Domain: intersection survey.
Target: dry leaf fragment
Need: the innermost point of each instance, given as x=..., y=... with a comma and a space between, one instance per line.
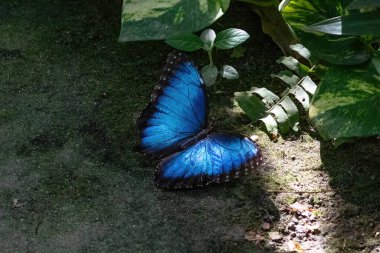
x=295, y=246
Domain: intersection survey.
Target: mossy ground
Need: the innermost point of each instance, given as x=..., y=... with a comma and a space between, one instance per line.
x=69, y=180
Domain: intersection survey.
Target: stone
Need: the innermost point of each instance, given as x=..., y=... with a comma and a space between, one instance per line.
x=275, y=236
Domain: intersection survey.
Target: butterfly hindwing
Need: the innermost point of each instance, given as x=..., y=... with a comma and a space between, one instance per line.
x=216, y=158
x=178, y=110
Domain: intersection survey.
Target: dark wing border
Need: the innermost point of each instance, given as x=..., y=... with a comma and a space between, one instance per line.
x=204, y=180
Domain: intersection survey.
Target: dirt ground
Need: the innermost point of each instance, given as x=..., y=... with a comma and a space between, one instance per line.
x=70, y=182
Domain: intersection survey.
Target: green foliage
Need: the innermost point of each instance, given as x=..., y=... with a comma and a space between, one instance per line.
x=279, y=113
x=353, y=24
x=154, y=20
x=230, y=38
x=343, y=33
x=363, y=4
x=345, y=50
x=209, y=74
x=346, y=103
x=208, y=39
x=185, y=41
x=238, y=52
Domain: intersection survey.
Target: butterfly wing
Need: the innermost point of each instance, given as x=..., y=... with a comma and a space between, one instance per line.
x=178, y=110
x=216, y=158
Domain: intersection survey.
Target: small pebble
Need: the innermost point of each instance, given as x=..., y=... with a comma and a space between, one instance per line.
x=291, y=226
x=275, y=236
x=265, y=226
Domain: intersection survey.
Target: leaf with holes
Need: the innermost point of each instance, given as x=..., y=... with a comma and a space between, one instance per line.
x=294, y=65
x=301, y=95
x=251, y=105
x=281, y=118
x=281, y=114
x=270, y=124
x=303, y=51
x=292, y=112
x=287, y=77
x=268, y=97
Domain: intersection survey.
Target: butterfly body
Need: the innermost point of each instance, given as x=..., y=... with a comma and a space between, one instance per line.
x=173, y=126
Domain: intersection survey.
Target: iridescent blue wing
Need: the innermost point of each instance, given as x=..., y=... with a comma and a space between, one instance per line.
x=216, y=158
x=178, y=110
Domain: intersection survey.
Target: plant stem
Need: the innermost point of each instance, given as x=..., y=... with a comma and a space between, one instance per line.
x=209, y=52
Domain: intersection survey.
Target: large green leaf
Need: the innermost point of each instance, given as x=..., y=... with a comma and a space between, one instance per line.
x=364, y=4
x=353, y=24
x=341, y=50
x=154, y=20
x=347, y=104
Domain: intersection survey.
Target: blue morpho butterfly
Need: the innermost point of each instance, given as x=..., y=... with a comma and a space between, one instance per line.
x=173, y=126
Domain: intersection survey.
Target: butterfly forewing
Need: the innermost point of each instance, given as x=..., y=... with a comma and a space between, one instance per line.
x=178, y=110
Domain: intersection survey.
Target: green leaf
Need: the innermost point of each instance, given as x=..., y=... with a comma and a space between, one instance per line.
x=294, y=65
x=224, y=4
x=209, y=74
x=339, y=51
x=251, y=105
x=270, y=124
x=301, y=95
x=308, y=85
x=292, y=112
x=347, y=104
x=230, y=38
x=154, y=20
x=238, y=52
x=339, y=141
x=287, y=77
x=365, y=23
x=269, y=98
x=376, y=62
x=301, y=50
x=364, y=4
x=281, y=118
x=208, y=37
x=184, y=41
x=229, y=72
x=283, y=4
x=263, y=3
x=342, y=50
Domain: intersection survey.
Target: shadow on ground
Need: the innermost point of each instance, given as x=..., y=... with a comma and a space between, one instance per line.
x=354, y=170
x=70, y=95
